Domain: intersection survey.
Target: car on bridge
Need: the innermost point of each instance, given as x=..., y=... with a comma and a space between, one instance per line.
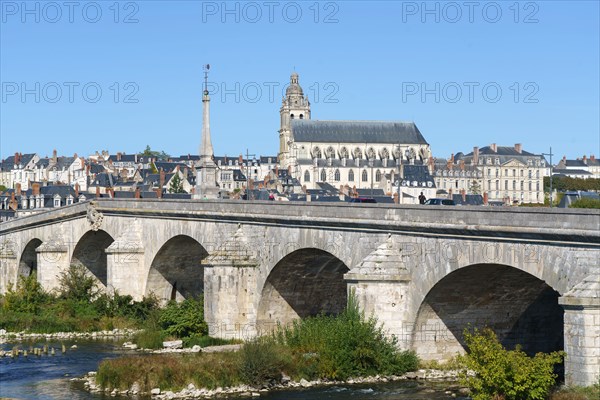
x=439, y=202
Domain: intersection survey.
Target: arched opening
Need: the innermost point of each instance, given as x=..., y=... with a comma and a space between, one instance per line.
x=304, y=283
x=519, y=307
x=350, y=176
x=306, y=176
x=90, y=253
x=28, y=262
x=323, y=176
x=176, y=272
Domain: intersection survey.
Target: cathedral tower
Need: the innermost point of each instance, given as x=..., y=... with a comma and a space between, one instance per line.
x=294, y=106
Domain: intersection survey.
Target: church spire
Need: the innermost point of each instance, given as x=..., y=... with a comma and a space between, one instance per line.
x=294, y=106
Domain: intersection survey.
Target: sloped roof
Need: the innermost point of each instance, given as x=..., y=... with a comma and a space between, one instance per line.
x=356, y=132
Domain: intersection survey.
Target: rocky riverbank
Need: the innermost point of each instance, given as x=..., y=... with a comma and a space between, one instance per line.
x=20, y=336
x=191, y=391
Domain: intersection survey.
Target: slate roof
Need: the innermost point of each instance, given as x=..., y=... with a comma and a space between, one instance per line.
x=571, y=171
x=356, y=132
x=504, y=153
x=363, y=163
x=575, y=163
x=63, y=162
x=124, y=158
x=169, y=166
x=419, y=174
x=9, y=163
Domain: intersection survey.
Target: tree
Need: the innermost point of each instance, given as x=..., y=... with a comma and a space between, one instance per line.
x=176, y=185
x=148, y=152
x=475, y=187
x=2, y=188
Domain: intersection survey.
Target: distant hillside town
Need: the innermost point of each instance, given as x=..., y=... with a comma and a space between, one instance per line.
x=325, y=161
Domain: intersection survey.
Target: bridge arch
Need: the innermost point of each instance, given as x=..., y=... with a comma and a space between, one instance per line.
x=176, y=272
x=520, y=307
x=90, y=252
x=306, y=282
x=28, y=260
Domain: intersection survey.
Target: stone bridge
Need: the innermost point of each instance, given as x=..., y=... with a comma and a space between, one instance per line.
x=426, y=273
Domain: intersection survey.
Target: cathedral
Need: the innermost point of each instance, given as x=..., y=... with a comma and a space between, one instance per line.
x=357, y=154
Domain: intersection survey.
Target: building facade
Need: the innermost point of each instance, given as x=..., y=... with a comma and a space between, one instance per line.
x=356, y=154
x=506, y=173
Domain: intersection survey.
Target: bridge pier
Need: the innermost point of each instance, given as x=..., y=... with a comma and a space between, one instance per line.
x=582, y=332
x=8, y=267
x=52, y=259
x=125, y=269
x=230, y=298
x=380, y=284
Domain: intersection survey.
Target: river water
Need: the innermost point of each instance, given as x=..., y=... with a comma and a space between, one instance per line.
x=48, y=378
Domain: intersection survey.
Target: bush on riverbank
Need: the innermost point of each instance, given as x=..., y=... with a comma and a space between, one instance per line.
x=506, y=374
x=77, y=306
x=322, y=347
x=577, y=393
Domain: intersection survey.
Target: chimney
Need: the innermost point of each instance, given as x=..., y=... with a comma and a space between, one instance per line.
x=18, y=189
x=584, y=159
x=518, y=148
x=161, y=179
x=462, y=165
x=54, y=156
x=12, y=204
x=475, y=155
x=119, y=156
x=494, y=147
x=77, y=190
x=158, y=193
x=463, y=193
x=452, y=158
x=35, y=189
x=564, y=159
x=97, y=192
x=450, y=193
x=240, y=160
x=485, y=198
x=395, y=197
x=592, y=158
x=17, y=159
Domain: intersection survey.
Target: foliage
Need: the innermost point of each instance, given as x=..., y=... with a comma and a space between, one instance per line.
x=345, y=345
x=170, y=372
x=475, y=187
x=578, y=393
x=506, y=374
x=76, y=283
x=263, y=360
x=159, y=155
x=205, y=341
x=77, y=306
x=565, y=183
x=3, y=188
x=183, y=319
x=28, y=295
x=176, y=185
x=585, y=202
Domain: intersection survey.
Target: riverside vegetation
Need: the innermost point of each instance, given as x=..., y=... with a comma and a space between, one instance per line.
x=318, y=348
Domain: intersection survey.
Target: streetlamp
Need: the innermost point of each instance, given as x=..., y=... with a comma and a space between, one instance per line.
x=248, y=174
x=549, y=154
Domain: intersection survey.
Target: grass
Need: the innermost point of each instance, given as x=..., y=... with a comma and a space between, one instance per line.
x=577, y=393
x=322, y=347
x=454, y=364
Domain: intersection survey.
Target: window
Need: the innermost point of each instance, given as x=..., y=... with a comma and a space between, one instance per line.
x=378, y=176
x=317, y=152
x=57, y=202
x=522, y=185
x=306, y=176
x=330, y=152
x=357, y=153
x=514, y=185
x=301, y=116
x=292, y=116
x=514, y=172
x=323, y=176
x=69, y=201
x=529, y=173
x=365, y=176
x=530, y=186
x=505, y=185
x=351, y=176
x=336, y=175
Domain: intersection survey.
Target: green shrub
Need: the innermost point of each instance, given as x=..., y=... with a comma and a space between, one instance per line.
x=28, y=296
x=585, y=203
x=205, y=341
x=262, y=360
x=183, y=319
x=506, y=374
x=338, y=347
x=76, y=283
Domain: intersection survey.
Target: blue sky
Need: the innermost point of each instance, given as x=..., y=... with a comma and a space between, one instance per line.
x=468, y=74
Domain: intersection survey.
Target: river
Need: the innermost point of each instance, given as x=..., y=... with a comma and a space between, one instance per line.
x=48, y=378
